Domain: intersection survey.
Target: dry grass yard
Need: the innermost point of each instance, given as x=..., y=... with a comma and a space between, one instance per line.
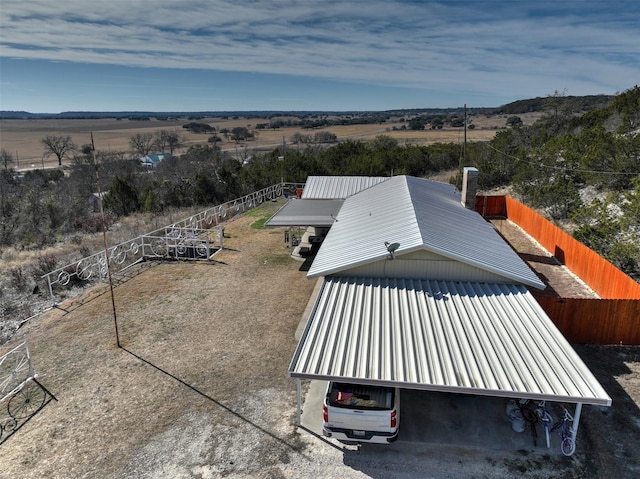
x=205, y=351
x=199, y=388
x=22, y=138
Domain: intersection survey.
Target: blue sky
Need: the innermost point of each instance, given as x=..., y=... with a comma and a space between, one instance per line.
x=215, y=55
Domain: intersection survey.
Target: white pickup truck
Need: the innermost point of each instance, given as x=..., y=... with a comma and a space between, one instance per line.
x=354, y=413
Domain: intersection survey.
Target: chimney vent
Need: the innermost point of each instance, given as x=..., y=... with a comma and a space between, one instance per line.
x=469, y=187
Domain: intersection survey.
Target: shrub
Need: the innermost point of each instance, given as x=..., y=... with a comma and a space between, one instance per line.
x=44, y=264
x=19, y=278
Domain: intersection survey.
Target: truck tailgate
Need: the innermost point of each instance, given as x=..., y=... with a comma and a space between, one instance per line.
x=359, y=419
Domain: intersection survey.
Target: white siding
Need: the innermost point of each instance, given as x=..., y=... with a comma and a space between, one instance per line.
x=444, y=268
x=423, y=265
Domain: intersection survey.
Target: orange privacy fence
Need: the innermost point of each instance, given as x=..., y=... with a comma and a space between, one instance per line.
x=604, y=278
x=595, y=321
x=615, y=319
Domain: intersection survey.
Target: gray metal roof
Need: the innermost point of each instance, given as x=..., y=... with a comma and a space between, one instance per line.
x=420, y=215
x=338, y=187
x=296, y=212
x=473, y=338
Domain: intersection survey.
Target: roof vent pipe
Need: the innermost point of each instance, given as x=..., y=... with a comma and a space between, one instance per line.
x=469, y=187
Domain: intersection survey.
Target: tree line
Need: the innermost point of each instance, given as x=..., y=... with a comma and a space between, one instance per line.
x=582, y=170
x=550, y=165
x=39, y=207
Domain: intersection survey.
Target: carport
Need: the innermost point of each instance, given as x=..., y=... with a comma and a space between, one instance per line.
x=314, y=215
x=296, y=212
x=490, y=339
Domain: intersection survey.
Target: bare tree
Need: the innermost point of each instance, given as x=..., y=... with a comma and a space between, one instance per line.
x=167, y=139
x=142, y=143
x=160, y=140
x=174, y=141
x=60, y=146
x=301, y=138
x=6, y=158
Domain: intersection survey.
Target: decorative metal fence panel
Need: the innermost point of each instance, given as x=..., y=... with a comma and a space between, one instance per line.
x=15, y=369
x=21, y=395
x=194, y=238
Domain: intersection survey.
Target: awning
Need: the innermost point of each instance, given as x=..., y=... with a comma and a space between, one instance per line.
x=297, y=212
x=460, y=337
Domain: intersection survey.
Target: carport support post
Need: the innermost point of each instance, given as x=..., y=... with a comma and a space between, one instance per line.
x=576, y=422
x=299, y=399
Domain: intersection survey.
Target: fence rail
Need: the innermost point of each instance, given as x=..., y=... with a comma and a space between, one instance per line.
x=194, y=238
x=15, y=369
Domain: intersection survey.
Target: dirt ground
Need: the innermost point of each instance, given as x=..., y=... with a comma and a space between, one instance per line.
x=559, y=280
x=22, y=138
x=199, y=387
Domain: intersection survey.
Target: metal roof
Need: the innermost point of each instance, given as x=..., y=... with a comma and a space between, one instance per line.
x=419, y=215
x=338, y=187
x=473, y=338
x=296, y=212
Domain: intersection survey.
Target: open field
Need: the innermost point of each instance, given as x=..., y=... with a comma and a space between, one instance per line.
x=199, y=389
x=22, y=138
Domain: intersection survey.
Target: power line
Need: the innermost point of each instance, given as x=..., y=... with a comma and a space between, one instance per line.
x=551, y=167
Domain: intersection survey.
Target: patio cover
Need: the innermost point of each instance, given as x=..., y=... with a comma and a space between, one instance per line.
x=460, y=337
x=297, y=212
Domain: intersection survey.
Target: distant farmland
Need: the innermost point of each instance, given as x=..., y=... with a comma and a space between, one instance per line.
x=22, y=138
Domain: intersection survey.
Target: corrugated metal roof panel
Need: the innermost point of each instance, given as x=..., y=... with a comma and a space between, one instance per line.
x=475, y=338
x=417, y=214
x=338, y=187
x=364, y=223
x=296, y=212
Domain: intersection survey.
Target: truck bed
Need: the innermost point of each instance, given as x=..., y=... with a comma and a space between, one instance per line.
x=359, y=396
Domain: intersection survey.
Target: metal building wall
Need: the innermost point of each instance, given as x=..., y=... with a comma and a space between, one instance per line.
x=423, y=265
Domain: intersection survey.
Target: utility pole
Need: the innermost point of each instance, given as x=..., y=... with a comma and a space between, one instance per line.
x=464, y=151
x=463, y=157
x=104, y=239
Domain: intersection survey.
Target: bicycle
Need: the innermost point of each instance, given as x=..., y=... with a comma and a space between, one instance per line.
x=545, y=418
x=530, y=417
x=563, y=425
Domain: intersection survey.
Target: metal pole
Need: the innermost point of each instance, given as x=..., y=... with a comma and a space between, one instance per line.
x=31, y=370
x=50, y=289
x=299, y=392
x=104, y=239
x=576, y=422
x=464, y=153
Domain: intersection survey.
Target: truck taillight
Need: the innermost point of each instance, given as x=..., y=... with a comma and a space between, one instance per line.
x=394, y=420
x=325, y=413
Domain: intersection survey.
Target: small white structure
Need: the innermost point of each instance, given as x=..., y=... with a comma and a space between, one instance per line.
x=151, y=161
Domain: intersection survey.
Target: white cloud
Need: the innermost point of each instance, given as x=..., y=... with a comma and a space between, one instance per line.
x=407, y=44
